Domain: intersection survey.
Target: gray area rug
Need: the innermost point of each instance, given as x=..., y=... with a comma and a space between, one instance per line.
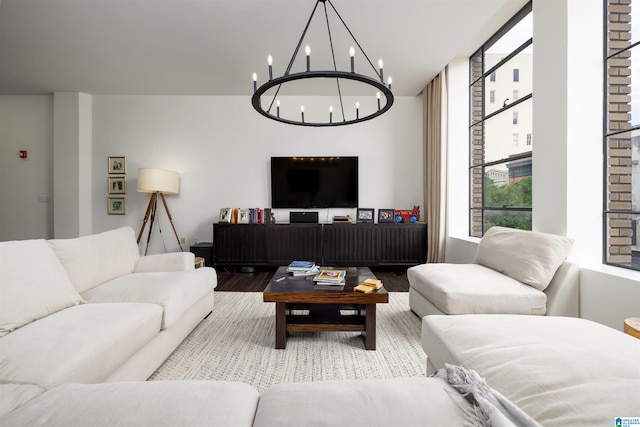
x=236, y=343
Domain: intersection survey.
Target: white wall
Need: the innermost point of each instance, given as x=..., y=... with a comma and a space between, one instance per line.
x=26, y=123
x=72, y=164
x=221, y=147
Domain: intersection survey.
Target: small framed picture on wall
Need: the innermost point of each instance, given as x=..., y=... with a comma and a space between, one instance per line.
x=386, y=215
x=118, y=185
x=365, y=215
x=117, y=165
x=116, y=206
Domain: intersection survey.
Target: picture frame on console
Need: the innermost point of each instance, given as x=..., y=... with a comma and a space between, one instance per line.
x=365, y=215
x=243, y=216
x=225, y=216
x=386, y=215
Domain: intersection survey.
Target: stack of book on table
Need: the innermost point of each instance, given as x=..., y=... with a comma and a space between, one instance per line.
x=303, y=268
x=333, y=279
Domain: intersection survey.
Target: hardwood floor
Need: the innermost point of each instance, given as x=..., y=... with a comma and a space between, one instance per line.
x=394, y=279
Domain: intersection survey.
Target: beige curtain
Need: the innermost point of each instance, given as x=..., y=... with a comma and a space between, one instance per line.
x=434, y=131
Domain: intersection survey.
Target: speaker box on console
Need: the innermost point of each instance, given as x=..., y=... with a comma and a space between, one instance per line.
x=303, y=217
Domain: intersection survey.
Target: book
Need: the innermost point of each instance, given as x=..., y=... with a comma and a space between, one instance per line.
x=329, y=282
x=301, y=265
x=303, y=273
x=333, y=286
x=330, y=276
x=368, y=286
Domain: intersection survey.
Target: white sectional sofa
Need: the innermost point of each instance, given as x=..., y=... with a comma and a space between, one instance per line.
x=562, y=371
x=400, y=401
x=91, y=310
x=81, y=318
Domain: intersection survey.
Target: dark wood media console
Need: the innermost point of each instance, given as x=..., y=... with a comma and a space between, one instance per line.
x=327, y=244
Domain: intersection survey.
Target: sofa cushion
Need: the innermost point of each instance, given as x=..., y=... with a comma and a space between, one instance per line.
x=172, y=261
x=153, y=403
x=176, y=291
x=528, y=256
x=33, y=284
x=472, y=288
x=84, y=343
x=98, y=258
x=13, y=396
x=382, y=402
x=562, y=371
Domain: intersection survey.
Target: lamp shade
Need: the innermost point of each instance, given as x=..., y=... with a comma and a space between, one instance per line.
x=162, y=180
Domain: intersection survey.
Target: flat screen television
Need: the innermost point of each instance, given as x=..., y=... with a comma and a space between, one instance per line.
x=314, y=182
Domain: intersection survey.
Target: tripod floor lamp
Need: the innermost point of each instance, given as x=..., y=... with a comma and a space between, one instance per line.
x=157, y=182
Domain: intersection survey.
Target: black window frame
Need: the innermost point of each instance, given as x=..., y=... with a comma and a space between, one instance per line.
x=520, y=157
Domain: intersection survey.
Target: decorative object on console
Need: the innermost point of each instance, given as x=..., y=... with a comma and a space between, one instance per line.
x=243, y=216
x=158, y=182
x=368, y=111
x=342, y=219
x=386, y=215
x=412, y=215
x=234, y=215
x=365, y=215
x=225, y=216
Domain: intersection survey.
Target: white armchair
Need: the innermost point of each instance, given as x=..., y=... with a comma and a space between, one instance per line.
x=514, y=272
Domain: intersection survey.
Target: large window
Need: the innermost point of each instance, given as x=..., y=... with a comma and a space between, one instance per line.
x=500, y=170
x=622, y=134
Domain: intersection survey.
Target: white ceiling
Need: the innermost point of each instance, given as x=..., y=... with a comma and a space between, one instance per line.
x=212, y=47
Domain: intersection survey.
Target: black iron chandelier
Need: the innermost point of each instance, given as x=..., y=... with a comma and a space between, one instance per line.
x=291, y=115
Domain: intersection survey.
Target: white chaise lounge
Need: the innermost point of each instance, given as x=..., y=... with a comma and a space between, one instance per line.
x=514, y=272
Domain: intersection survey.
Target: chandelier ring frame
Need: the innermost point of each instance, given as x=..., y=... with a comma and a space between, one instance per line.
x=329, y=74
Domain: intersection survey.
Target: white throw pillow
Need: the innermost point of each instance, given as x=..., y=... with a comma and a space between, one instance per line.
x=33, y=284
x=529, y=257
x=97, y=258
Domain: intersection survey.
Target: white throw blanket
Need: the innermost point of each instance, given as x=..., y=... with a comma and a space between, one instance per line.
x=492, y=408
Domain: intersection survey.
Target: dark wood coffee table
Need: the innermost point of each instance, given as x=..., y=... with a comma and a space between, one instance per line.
x=300, y=306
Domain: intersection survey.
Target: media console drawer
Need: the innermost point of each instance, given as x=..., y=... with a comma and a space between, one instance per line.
x=328, y=244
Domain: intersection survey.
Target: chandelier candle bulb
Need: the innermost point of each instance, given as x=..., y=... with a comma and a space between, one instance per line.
x=307, y=50
x=357, y=110
x=270, y=62
x=255, y=82
x=302, y=112
x=381, y=65
x=378, y=98
x=352, y=53
x=389, y=82
x=330, y=114
x=278, y=108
